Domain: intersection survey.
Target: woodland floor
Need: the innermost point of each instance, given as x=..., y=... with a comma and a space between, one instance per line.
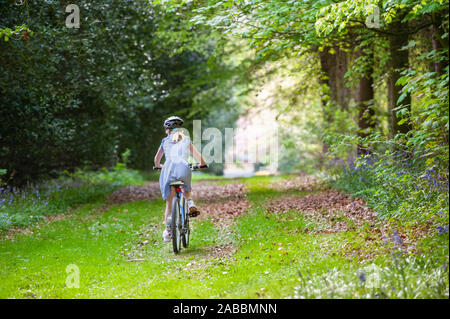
x=259, y=237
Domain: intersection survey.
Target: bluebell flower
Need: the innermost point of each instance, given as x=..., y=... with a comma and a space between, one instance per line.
x=362, y=277
x=442, y=230
x=397, y=239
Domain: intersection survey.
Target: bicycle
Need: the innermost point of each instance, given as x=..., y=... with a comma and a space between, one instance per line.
x=179, y=216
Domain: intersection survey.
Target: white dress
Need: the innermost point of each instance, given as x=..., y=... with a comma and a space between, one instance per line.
x=176, y=166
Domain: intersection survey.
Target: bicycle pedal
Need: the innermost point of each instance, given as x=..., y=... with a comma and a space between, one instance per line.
x=194, y=213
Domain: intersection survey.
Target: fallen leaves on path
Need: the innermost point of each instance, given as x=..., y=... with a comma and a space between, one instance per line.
x=300, y=183
x=135, y=193
x=212, y=193
x=201, y=191
x=223, y=211
x=336, y=209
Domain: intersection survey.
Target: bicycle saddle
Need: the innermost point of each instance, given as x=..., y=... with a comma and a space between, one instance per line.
x=176, y=183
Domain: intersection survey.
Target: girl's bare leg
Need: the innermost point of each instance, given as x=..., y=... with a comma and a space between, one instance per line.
x=169, y=205
x=193, y=210
x=188, y=195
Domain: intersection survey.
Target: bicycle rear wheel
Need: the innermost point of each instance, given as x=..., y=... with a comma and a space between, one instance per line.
x=176, y=227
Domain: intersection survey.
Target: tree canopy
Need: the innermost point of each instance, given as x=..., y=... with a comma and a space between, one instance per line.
x=376, y=71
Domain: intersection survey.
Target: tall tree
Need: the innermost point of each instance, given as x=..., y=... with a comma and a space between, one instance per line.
x=365, y=100
x=79, y=97
x=334, y=65
x=398, y=62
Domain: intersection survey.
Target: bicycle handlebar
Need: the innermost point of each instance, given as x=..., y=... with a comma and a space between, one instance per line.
x=191, y=166
x=198, y=166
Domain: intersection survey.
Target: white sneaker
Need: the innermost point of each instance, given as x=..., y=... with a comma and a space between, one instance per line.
x=167, y=235
x=193, y=210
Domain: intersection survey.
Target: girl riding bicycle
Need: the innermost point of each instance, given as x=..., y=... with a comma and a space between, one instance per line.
x=176, y=147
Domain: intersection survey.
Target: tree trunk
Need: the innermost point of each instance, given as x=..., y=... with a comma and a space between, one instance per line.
x=325, y=96
x=333, y=67
x=364, y=99
x=343, y=92
x=398, y=62
x=437, y=43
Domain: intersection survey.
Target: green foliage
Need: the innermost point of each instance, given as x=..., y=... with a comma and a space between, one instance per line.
x=2, y=173
x=7, y=33
x=79, y=97
x=22, y=207
x=430, y=139
x=405, y=176
x=337, y=16
x=397, y=188
x=118, y=176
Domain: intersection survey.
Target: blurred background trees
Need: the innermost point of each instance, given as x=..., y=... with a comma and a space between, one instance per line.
x=80, y=97
x=345, y=78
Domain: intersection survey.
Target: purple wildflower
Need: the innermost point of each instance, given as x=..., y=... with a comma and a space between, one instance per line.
x=442, y=230
x=397, y=239
x=362, y=277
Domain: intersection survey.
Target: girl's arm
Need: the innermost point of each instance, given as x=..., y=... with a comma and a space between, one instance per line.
x=196, y=154
x=158, y=157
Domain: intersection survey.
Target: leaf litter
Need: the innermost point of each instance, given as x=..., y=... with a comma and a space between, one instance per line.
x=337, y=212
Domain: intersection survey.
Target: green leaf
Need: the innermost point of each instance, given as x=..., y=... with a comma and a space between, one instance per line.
x=402, y=97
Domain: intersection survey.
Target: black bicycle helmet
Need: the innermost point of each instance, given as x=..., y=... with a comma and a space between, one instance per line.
x=173, y=122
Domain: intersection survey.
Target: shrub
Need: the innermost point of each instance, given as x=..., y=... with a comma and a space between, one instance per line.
x=396, y=188
x=24, y=206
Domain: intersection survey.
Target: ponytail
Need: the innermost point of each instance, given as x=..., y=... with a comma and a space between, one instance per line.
x=177, y=136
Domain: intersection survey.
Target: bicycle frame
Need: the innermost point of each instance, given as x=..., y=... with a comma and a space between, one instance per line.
x=180, y=190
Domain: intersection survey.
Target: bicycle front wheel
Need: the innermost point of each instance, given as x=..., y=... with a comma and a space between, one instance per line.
x=176, y=225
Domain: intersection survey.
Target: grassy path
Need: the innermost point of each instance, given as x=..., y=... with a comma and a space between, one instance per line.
x=120, y=254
